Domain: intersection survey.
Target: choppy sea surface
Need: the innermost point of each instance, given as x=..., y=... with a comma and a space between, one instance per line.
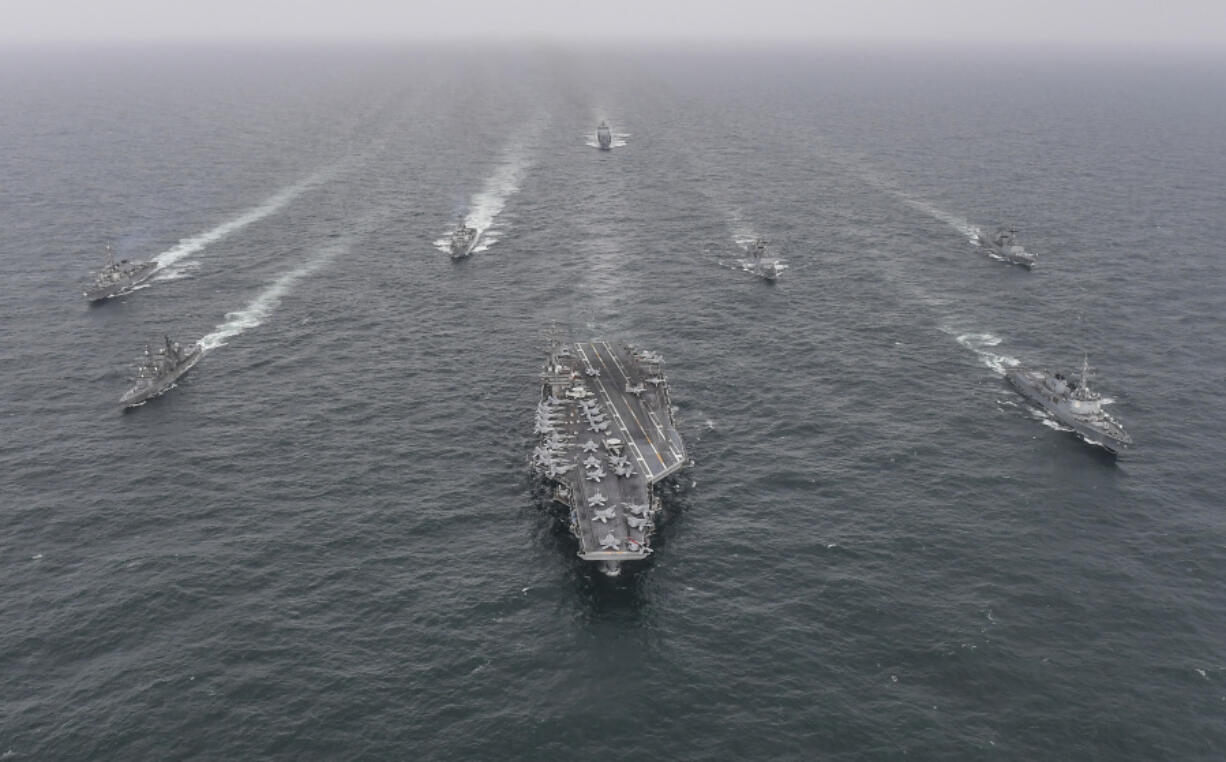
x=324, y=543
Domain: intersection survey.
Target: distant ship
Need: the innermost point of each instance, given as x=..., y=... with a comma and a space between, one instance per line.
x=1003, y=244
x=604, y=137
x=116, y=278
x=159, y=370
x=463, y=241
x=760, y=264
x=1072, y=403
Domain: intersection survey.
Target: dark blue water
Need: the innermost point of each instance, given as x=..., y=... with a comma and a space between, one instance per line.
x=324, y=545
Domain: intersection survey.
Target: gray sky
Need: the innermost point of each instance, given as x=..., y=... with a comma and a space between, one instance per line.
x=1169, y=23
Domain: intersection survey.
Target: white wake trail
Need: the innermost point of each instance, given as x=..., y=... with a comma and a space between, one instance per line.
x=981, y=344
x=957, y=223
x=188, y=246
x=255, y=313
x=489, y=202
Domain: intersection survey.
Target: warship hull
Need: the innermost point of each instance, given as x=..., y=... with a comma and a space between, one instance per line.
x=1029, y=384
x=1005, y=253
x=607, y=437
x=141, y=395
x=604, y=139
x=462, y=250
x=121, y=287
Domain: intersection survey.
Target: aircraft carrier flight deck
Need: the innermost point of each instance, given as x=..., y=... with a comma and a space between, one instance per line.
x=606, y=436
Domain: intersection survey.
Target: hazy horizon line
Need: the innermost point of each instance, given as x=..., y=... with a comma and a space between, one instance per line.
x=604, y=42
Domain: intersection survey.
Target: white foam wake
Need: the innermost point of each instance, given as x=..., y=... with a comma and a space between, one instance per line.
x=980, y=344
x=489, y=202
x=620, y=140
x=176, y=271
x=277, y=202
x=954, y=221
x=258, y=311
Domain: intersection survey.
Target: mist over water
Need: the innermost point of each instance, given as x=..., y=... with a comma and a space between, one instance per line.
x=325, y=543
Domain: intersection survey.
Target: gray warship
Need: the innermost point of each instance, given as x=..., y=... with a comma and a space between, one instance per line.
x=117, y=278
x=463, y=241
x=1072, y=403
x=604, y=137
x=158, y=371
x=1003, y=244
x=760, y=264
x=607, y=435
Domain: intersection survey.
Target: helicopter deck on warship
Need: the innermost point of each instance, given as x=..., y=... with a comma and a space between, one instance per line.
x=607, y=435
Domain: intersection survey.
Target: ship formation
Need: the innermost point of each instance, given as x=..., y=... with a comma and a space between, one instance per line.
x=607, y=436
x=118, y=278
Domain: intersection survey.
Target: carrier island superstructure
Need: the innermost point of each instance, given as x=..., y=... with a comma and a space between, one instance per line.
x=607, y=436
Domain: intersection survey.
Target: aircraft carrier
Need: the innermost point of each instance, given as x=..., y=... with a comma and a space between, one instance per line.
x=606, y=437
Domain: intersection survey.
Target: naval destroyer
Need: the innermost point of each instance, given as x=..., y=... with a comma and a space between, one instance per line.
x=463, y=241
x=117, y=278
x=1004, y=246
x=1072, y=403
x=607, y=435
x=158, y=371
x=760, y=264
x=604, y=137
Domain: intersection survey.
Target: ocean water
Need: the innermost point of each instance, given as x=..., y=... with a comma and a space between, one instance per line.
x=324, y=543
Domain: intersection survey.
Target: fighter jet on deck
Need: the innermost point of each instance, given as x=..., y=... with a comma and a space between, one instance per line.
x=597, y=499
x=610, y=542
x=603, y=515
x=590, y=446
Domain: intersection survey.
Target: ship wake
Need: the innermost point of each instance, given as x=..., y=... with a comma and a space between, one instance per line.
x=262, y=306
x=488, y=203
x=275, y=203
x=982, y=345
x=619, y=140
x=954, y=221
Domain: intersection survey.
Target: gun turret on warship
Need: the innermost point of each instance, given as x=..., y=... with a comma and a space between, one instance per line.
x=158, y=371
x=604, y=137
x=116, y=278
x=760, y=264
x=463, y=241
x=607, y=435
x=1072, y=403
x=1003, y=245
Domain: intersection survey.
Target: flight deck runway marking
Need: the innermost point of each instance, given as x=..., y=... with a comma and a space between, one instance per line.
x=632, y=415
x=625, y=376
x=620, y=422
x=625, y=379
